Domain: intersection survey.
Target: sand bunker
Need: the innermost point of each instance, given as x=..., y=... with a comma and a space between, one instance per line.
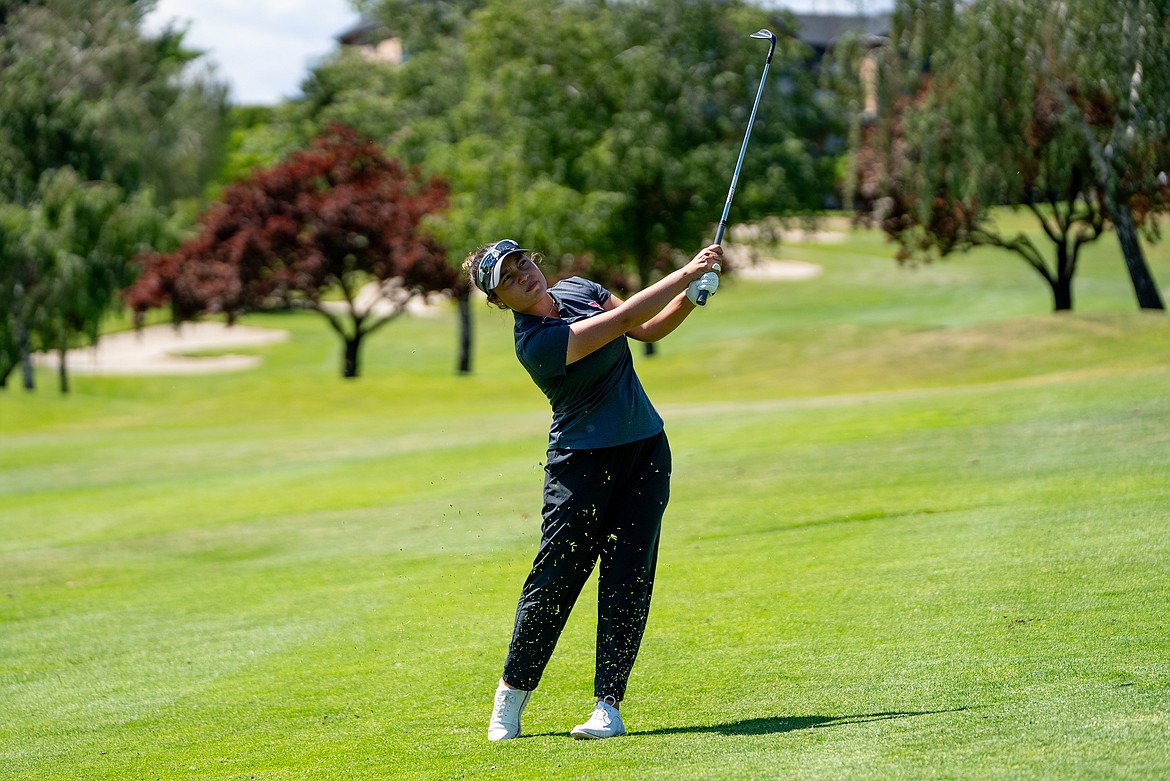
x=750, y=264
x=158, y=349
x=779, y=269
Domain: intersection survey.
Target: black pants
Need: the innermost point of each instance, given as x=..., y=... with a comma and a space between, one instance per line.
x=602, y=504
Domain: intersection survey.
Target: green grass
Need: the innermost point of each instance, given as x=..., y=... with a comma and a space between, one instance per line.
x=919, y=529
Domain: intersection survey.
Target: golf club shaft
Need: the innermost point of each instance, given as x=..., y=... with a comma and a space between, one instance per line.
x=701, y=299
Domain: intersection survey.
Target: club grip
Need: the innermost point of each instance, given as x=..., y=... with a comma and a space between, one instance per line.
x=701, y=299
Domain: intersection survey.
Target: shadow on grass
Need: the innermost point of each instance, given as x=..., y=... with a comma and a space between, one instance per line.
x=774, y=725
x=771, y=725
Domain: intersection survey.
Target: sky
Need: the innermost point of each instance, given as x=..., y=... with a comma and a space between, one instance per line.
x=264, y=48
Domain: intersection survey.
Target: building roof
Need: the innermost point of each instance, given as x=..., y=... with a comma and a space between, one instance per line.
x=822, y=31
x=363, y=31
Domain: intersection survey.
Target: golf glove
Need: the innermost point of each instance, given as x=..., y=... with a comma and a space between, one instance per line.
x=708, y=282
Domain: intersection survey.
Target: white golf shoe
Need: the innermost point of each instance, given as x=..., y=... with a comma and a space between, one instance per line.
x=505, y=723
x=604, y=722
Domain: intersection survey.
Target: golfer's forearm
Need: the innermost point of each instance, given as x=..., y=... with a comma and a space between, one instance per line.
x=663, y=323
x=589, y=334
x=650, y=302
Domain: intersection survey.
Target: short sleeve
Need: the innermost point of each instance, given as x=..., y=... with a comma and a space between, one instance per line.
x=542, y=350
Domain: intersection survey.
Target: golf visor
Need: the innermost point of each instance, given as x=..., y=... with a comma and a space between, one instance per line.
x=487, y=276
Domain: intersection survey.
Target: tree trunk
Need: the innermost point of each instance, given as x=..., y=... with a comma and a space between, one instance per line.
x=352, y=346
x=26, y=360
x=1135, y=260
x=62, y=371
x=464, y=366
x=1144, y=287
x=1062, y=294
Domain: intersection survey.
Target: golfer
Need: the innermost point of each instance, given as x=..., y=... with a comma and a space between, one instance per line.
x=607, y=475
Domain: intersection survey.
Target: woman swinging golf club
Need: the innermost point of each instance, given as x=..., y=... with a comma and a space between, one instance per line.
x=607, y=476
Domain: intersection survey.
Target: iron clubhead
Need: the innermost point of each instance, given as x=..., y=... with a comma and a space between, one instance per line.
x=770, y=37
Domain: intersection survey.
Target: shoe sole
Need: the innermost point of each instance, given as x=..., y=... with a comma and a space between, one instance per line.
x=501, y=739
x=583, y=735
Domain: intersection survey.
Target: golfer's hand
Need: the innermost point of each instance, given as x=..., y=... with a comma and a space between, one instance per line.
x=708, y=259
x=707, y=265
x=708, y=283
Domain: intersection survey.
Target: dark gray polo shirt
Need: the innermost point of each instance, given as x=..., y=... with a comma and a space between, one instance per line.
x=597, y=401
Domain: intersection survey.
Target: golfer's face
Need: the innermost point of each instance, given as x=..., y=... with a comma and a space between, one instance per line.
x=522, y=284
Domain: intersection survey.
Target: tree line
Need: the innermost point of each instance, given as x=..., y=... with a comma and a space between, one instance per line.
x=602, y=133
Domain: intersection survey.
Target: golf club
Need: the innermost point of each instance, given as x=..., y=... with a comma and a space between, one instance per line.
x=768, y=35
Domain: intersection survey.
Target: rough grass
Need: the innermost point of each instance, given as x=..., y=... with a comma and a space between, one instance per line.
x=918, y=530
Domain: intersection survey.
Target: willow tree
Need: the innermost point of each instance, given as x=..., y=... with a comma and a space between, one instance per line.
x=64, y=259
x=1111, y=76
x=1013, y=108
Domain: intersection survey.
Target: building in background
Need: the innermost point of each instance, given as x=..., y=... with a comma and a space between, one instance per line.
x=373, y=40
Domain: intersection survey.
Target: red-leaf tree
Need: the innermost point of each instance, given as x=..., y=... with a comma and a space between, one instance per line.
x=339, y=219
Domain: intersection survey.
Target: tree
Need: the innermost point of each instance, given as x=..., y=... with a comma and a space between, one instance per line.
x=88, y=98
x=83, y=87
x=92, y=233
x=21, y=271
x=330, y=219
x=1116, y=58
x=1004, y=112
x=63, y=260
x=613, y=133
x=410, y=105
x=609, y=139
